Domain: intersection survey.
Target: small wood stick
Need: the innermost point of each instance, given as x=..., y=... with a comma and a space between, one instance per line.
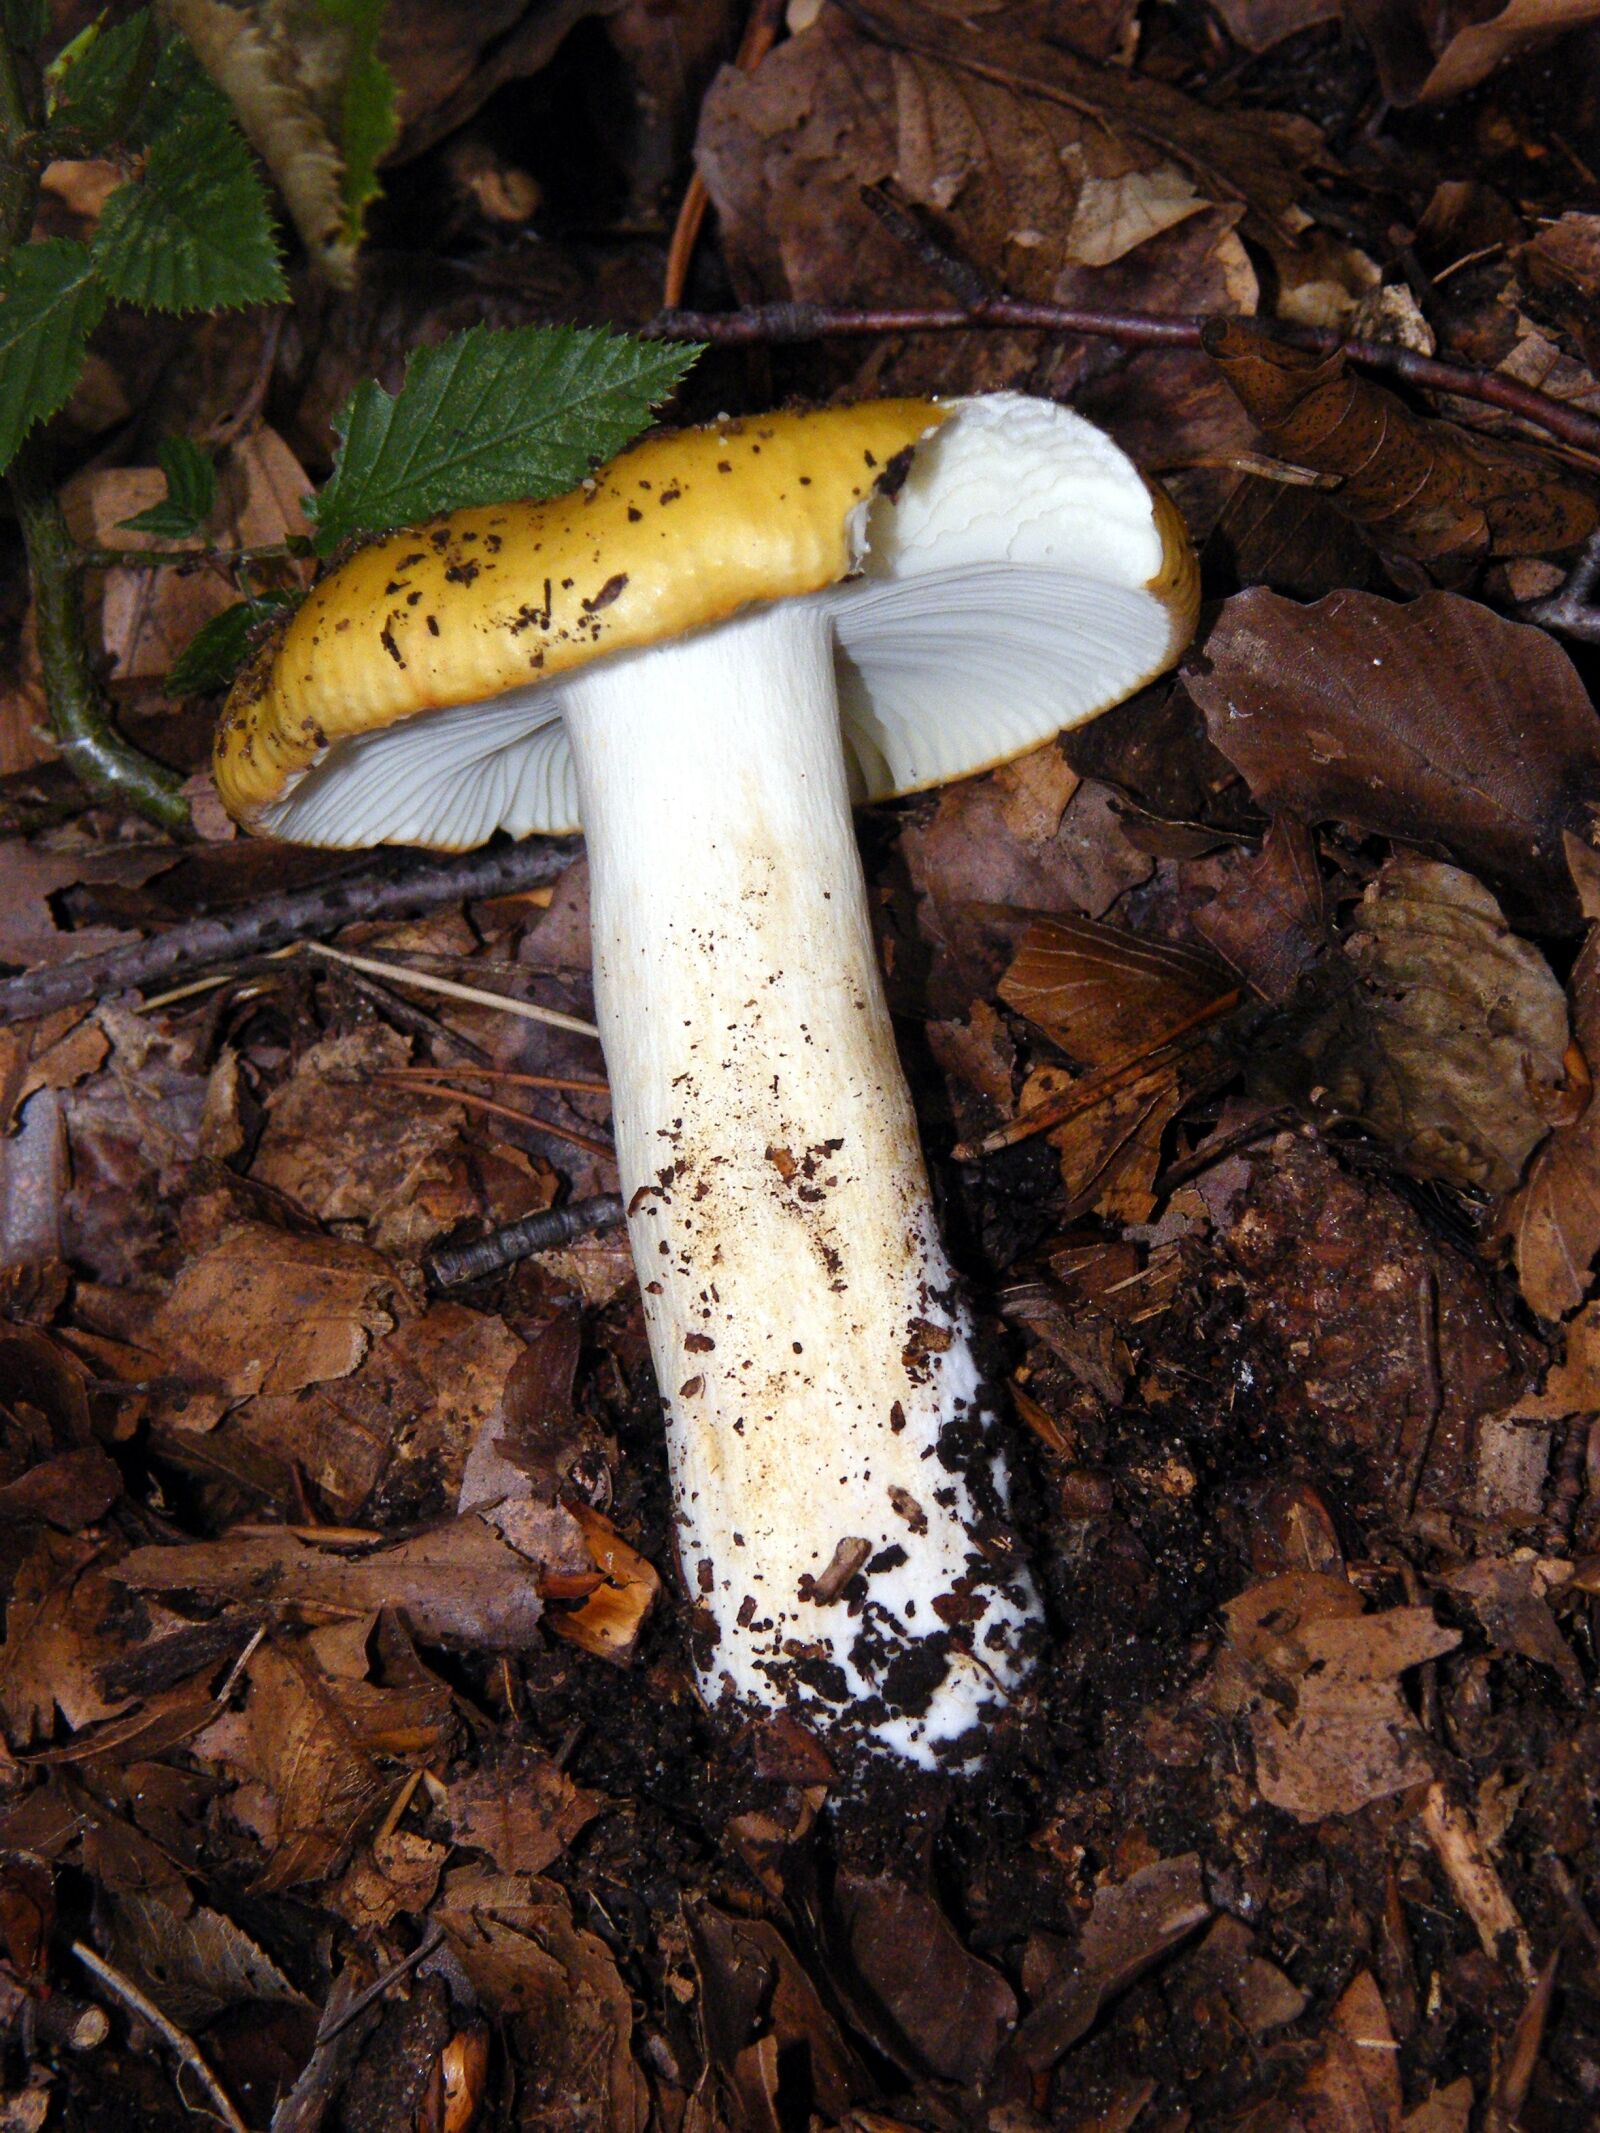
x=187, y=2051
x=399, y=974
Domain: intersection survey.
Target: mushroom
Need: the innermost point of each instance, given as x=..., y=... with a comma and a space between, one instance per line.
x=704, y=654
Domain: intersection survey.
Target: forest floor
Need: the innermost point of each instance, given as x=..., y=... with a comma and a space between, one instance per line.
x=1273, y=996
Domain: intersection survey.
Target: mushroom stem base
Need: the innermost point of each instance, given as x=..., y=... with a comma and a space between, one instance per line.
x=838, y=1510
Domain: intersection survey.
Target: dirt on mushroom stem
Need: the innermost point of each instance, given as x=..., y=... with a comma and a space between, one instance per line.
x=823, y=1404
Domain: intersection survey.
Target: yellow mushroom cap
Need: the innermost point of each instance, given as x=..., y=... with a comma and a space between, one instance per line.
x=424, y=673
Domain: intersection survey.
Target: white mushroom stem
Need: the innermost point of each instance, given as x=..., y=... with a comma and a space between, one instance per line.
x=820, y=1389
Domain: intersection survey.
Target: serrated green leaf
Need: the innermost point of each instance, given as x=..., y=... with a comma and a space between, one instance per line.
x=367, y=129
x=191, y=493
x=96, y=83
x=194, y=233
x=488, y=416
x=216, y=652
x=50, y=303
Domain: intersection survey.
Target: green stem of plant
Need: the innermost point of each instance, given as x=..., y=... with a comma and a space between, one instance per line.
x=175, y=558
x=101, y=760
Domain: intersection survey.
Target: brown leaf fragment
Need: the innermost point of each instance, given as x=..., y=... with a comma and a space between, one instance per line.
x=1426, y=54
x=1508, y=1599
x=1446, y=2110
x=1260, y=24
x=461, y=1583
x=270, y=1310
x=1553, y=1217
x=941, y=2010
x=1432, y=720
x=1104, y=994
x=70, y=1491
x=1319, y=1682
x=608, y=1623
x=1355, y=2086
x=306, y=1786
x=758, y=2006
x=520, y=1809
x=397, y=1872
x=60, y=1635
x=1269, y=917
x=1445, y=1034
x=195, y=1964
x=1418, y=488
x=516, y=1940
x=1133, y=1924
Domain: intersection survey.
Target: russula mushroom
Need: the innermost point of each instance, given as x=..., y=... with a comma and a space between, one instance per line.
x=703, y=655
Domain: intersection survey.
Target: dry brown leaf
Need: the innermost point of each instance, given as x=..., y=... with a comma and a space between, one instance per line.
x=305, y=1785
x=1260, y=24
x=521, y=1809
x=396, y=1872
x=1508, y=1598
x=1106, y=995
x=1446, y=2110
x=1355, y=2086
x=947, y=2013
x=193, y=1962
x=1418, y=488
x=268, y=1310
x=1553, y=1218
x=1029, y=159
x=1132, y=1925
x=1435, y=720
x=517, y=1942
x=761, y=2013
x=148, y=617
x=1417, y=67
x=60, y=1635
x=1269, y=918
x=1319, y=1681
x=1444, y=1034
x=460, y=1584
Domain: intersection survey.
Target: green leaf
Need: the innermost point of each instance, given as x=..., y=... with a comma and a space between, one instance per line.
x=368, y=121
x=50, y=303
x=194, y=233
x=191, y=493
x=95, y=85
x=216, y=651
x=489, y=416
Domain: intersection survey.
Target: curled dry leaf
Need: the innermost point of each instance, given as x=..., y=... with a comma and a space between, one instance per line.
x=460, y=1584
x=609, y=1621
x=1416, y=487
x=1430, y=721
x=1356, y=2081
x=763, y=2018
x=1318, y=1680
x=1448, y=1038
x=1426, y=54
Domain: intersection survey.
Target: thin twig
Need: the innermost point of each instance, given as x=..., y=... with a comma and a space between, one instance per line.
x=188, y=2052
x=572, y=1083
x=1138, y=329
x=474, y=995
x=760, y=34
x=543, y=1232
x=296, y=547
x=586, y=1141
x=392, y=886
